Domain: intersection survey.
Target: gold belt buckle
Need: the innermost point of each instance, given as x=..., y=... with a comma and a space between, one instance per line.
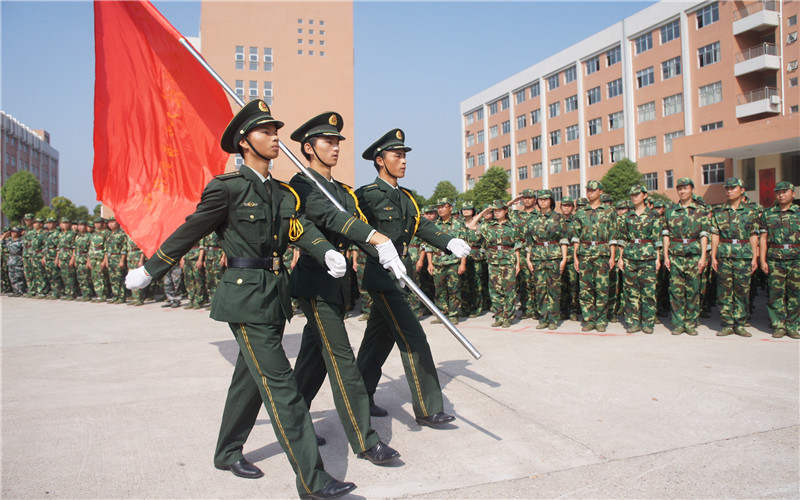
x=276, y=263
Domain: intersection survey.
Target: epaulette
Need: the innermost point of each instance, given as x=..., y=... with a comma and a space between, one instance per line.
x=228, y=175
x=345, y=186
x=369, y=187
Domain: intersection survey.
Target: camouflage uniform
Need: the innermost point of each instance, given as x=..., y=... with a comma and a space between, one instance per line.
x=37, y=281
x=85, y=285
x=446, y=279
x=5, y=284
x=414, y=253
x=52, y=272
x=546, y=234
x=133, y=259
x=116, y=248
x=27, y=258
x=472, y=286
x=500, y=242
x=16, y=273
x=530, y=301
x=97, y=252
x=66, y=247
x=570, y=291
x=214, y=268
x=782, y=232
x=194, y=279
x=685, y=226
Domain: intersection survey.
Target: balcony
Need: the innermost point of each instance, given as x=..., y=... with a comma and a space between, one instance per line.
x=759, y=58
x=758, y=16
x=758, y=101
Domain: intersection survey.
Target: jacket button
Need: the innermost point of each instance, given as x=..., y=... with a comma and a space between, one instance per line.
x=390, y=217
x=274, y=236
x=274, y=254
x=276, y=273
x=252, y=216
x=239, y=281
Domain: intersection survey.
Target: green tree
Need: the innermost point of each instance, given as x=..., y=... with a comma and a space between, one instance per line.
x=445, y=189
x=492, y=186
x=21, y=194
x=45, y=212
x=619, y=179
x=97, y=209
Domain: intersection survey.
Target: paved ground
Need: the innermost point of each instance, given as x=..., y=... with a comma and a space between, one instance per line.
x=103, y=401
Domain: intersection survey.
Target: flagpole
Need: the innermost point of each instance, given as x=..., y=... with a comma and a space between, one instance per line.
x=405, y=277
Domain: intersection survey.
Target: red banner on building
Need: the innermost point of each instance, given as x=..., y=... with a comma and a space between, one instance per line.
x=158, y=118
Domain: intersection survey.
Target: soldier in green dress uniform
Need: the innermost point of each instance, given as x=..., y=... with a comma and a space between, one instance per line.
x=255, y=217
x=393, y=211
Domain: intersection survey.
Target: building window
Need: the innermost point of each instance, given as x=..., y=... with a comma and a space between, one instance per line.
x=494, y=154
x=669, y=183
x=555, y=166
x=522, y=147
x=311, y=42
x=268, y=92
x=574, y=191
x=670, y=31
x=252, y=90
x=479, y=114
x=481, y=159
x=708, y=54
x=710, y=126
x=651, y=181
x=470, y=183
x=534, y=90
x=668, y=140
x=522, y=121
x=493, y=108
x=299, y=52
x=616, y=120
x=792, y=20
x=507, y=151
x=570, y=103
x=613, y=56
x=671, y=68
x=707, y=15
x=645, y=77
x=479, y=137
x=239, y=57
x=570, y=75
x=557, y=195
x=573, y=162
x=714, y=173
x=646, y=112
x=470, y=161
x=572, y=132
x=673, y=104
x=519, y=96
x=535, y=116
x=536, y=143
x=644, y=43
x=595, y=157
x=615, y=88
x=555, y=137
x=793, y=82
x=555, y=109
x=593, y=96
x=552, y=82
x=710, y=94
x=470, y=118
x=647, y=147
x=595, y=126
x=506, y=126
x=470, y=140
x=253, y=59
x=616, y=153
x=536, y=170
x=522, y=173
x=504, y=103
x=492, y=131
x=240, y=88
x=267, y=58
x=592, y=65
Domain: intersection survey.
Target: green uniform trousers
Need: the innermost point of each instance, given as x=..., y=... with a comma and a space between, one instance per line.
x=640, y=287
x=783, y=303
x=263, y=375
x=733, y=290
x=448, y=294
x=526, y=289
x=84, y=276
x=570, y=303
x=53, y=273
x=501, y=290
x=684, y=290
x=116, y=276
x=98, y=277
x=391, y=322
x=547, y=280
x=325, y=348
x=594, y=289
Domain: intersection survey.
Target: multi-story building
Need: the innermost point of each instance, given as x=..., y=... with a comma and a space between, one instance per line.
x=297, y=56
x=706, y=90
x=28, y=149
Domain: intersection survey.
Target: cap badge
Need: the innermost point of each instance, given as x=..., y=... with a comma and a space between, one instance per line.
x=399, y=135
x=332, y=120
x=263, y=106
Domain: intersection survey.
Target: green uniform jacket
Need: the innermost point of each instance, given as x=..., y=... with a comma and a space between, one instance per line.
x=685, y=226
x=783, y=232
x=249, y=224
x=734, y=224
x=640, y=234
x=454, y=228
x=309, y=279
x=394, y=213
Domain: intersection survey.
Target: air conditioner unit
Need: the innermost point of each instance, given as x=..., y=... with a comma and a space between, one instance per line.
x=791, y=66
x=775, y=99
x=791, y=38
x=240, y=57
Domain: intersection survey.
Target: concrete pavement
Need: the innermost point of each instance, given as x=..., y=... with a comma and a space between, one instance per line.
x=106, y=401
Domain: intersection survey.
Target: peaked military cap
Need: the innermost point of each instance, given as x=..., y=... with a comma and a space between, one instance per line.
x=733, y=182
x=393, y=139
x=594, y=185
x=545, y=193
x=606, y=198
x=567, y=200
x=254, y=113
x=329, y=123
x=784, y=185
x=638, y=188
x=529, y=193
x=685, y=181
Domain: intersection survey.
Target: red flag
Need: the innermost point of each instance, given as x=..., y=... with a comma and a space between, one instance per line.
x=158, y=118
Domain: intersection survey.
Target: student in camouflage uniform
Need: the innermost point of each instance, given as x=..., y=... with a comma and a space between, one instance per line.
x=501, y=242
x=97, y=256
x=529, y=299
x=547, y=243
x=594, y=242
x=662, y=276
x=5, y=284
x=471, y=303
x=214, y=264
x=116, y=248
x=13, y=246
x=570, y=304
x=194, y=275
x=66, y=247
x=616, y=300
x=779, y=258
x=37, y=281
x=134, y=258
x=49, y=257
x=685, y=240
x=639, y=238
x=80, y=260
x=734, y=256
x=425, y=277
x=446, y=268
x=26, y=233
x=418, y=260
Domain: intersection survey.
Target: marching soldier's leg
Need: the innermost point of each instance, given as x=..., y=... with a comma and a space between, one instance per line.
x=309, y=367
x=375, y=347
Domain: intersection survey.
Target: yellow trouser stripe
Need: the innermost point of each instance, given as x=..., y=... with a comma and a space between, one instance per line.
x=274, y=410
x=408, y=353
x=338, y=375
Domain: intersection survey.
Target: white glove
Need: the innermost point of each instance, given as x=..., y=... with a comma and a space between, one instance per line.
x=386, y=252
x=137, y=278
x=337, y=265
x=397, y=267
x=458, y=247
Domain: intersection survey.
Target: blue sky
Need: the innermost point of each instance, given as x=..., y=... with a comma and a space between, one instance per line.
x=441, y=53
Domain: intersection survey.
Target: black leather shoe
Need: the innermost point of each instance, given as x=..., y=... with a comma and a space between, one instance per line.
x=434, y=420
x=334, y=489
x=175, y=304
x=380, y=454
x=320, y=440
x=242, y=468
x=377, y=411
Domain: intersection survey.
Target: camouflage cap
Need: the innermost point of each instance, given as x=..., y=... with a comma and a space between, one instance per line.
x=99, y=220
x=733, y=182
x=83, y=221
x=65, y=219
x=28, y=216
x=16, y=229
x=467, y=206
x=498, y=204
x=582, y=202
x=567, y=200
x=38, y=219
x=621, y=205
x=594, y=185
x=112, y=218
x=638, y=188
x=658, y=204
x=51, y=219
x=443, y=201
x=685, y=181
x=529, y=193
x=606, y=198
x=784, y=185
x=7, y=229
x=428, y=208
x=545, y=193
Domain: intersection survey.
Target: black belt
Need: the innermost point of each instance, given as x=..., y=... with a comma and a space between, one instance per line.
x=270, y=264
